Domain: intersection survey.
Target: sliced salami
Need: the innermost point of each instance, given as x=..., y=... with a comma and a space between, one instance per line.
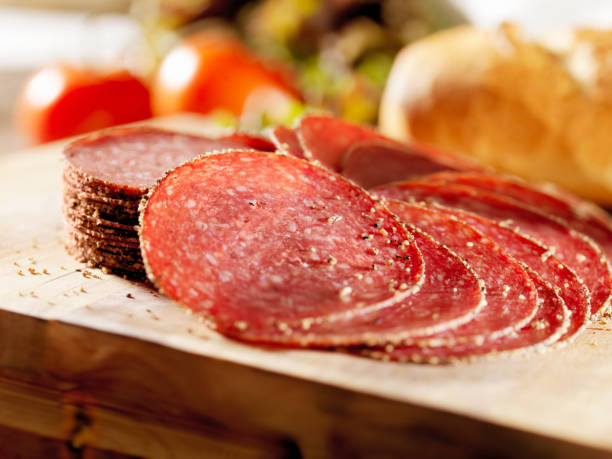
x=99, y=210
x=571, y=247
x=258, y=241
x=451, y=295
x=576, y=213
x=287, y=141
x=130, y=160
x=511, y=296
x=538, y=258
x=249, y=140
x=549, y=324
x=375, y=162
x=327, y=139
x=94, y=220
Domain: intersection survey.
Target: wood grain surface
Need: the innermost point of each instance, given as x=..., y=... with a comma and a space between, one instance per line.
x=82, y=362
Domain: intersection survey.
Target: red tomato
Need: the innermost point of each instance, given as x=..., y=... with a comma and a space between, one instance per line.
x=207, y=72
x=60, y=101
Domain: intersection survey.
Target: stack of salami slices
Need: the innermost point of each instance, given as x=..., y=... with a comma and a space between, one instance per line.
x=106, y=176
x=342, y=238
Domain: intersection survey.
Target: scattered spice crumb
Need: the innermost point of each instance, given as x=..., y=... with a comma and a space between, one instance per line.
x=63, y=268
x=131, y=297
x=20, y=272
x=33, y=295
x=33, y=271
x=44, y=271
x=153, y=315
x=83, y=290
x=15, y=264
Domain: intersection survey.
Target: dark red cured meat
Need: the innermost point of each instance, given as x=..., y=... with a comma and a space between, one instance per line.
x=375, y=162
x=327, y=139
x=540, y=260
x=510, y=293
x=287, y=141
x=259, y=241
x=572, y=248
x=549, y=324
x=133, y=159
x=246, y=140
x=450, y=295
x=576, y=213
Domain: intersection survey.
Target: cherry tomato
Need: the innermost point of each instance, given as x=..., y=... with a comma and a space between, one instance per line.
x=60, y=101
x=207, y=72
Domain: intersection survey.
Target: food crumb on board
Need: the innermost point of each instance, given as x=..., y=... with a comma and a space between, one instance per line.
x=20, y=272
x=130, y=296
x=152, y=314
x=83, y=290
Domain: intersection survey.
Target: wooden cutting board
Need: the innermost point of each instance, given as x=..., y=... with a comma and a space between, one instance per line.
x=97, y=361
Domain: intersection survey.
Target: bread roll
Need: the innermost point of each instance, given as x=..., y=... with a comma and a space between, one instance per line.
x=540, y=109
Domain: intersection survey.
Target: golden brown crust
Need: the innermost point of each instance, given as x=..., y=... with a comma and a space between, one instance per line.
x=511, y=103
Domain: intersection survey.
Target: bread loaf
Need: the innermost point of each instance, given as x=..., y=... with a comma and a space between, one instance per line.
x=540, y=109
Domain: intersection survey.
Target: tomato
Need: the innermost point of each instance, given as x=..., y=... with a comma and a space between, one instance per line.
x=61, y=100
x=207, y=72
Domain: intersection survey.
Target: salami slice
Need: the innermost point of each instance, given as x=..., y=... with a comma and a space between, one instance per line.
x=258, y=241
x=511, y=296
x=287, y=141
x=99, y=210
x=549, y=324
x=248, y=140
x=540, y=260
x=451, y=295
x=375, y=162
x=576, y=213
x=574, y=249
x=327, y=139
x=94, y=220
x=130, y=160
x=79, y=182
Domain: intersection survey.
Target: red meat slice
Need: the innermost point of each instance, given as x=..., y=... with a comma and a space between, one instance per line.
x=287, y=141
x=131, y=160
x=263, y=242
x=375, y=162
x=572, y=248
x=511, y=296
x=451, y=295
x=576, y=213
x=549, y=324
x=246, y=140
x=327, y=139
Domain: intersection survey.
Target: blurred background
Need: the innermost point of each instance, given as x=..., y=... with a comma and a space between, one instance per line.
x=69, y=66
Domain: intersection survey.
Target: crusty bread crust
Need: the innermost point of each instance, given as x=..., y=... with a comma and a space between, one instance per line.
x=516, y=104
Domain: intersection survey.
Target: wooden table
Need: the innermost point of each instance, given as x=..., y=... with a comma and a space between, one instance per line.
x=90, y=361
